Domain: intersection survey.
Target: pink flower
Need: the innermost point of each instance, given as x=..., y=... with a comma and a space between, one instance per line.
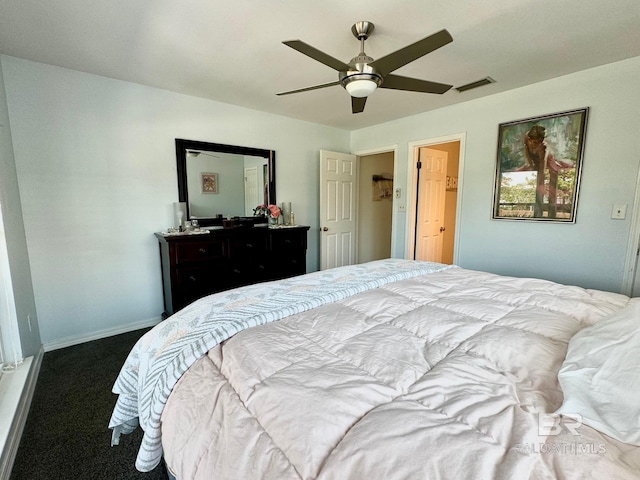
x=274, y=211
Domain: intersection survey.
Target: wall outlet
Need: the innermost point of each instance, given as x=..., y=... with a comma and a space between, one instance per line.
x=619, y=211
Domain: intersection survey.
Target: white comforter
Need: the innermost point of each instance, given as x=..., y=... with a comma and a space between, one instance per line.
x=164, y=354
x=442, y=376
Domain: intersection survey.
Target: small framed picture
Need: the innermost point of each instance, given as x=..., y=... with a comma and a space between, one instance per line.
x=209, y=183
x=538, y=167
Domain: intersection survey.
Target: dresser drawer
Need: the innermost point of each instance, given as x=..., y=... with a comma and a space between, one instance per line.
x=195, y=282
x=199, y=251
x=287, y=241
x=195, y=278
x=247, y=249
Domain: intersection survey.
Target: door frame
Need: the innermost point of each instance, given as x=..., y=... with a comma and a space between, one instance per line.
x=413, y=154
x=374, y=151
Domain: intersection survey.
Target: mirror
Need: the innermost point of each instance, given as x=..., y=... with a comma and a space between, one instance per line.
x=217, y=181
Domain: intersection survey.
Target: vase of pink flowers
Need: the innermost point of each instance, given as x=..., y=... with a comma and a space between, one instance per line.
x=272, y=212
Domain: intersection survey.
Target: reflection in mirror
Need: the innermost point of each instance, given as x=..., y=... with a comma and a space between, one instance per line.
x=218, y=181
x=225, y=184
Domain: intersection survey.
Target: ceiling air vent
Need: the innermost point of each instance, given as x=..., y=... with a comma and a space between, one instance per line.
x=476, y=84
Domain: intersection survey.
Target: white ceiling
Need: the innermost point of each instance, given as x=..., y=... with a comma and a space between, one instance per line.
x=231, y=51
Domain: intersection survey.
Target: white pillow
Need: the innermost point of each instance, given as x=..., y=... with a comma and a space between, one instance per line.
x=600, y=377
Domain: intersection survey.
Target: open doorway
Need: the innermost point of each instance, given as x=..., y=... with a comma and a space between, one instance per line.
x=375, y=206
x=357, y=206
x=434, y=177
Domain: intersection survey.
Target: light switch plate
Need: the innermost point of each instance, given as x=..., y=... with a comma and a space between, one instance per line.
x=619, y=211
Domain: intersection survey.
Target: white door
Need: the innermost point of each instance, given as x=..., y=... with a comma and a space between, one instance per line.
x=338, y=180
x=431, y=204
x=252, y=196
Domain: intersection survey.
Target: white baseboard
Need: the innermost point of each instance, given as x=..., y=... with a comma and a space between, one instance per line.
x=78, y=339
x=27, y=385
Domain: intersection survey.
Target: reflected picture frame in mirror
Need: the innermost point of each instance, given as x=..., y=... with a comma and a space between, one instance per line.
x=187, y=150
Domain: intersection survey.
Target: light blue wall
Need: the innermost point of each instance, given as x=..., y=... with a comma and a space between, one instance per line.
x=590, y=253
x=95, y=161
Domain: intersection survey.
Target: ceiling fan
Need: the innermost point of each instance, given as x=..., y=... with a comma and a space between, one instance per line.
x=363, y=75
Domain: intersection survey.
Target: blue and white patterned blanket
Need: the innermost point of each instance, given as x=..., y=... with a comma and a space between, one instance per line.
x=164, y=354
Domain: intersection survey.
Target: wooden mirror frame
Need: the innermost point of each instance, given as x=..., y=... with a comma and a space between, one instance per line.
x=183, y=145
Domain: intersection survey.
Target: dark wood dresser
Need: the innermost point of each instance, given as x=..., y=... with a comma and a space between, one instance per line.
x=197, y=265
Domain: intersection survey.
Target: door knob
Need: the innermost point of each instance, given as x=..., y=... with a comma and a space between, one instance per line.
x=325, y=229
x=442, y=229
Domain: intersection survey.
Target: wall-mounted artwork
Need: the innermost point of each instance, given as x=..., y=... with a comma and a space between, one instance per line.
x=538, y=167
x=209, y=183
x=382, y=186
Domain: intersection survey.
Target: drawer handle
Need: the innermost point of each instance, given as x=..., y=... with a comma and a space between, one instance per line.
x=249, y=245
x=203, y=250
x=236, y=271
x=193, y=279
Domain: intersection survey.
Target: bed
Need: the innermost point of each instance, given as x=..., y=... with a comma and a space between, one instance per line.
x=394, y=369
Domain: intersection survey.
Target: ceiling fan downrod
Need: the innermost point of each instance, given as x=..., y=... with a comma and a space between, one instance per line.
x=362, y=30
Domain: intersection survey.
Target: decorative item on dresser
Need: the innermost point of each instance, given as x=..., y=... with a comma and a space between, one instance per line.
x=194, y=266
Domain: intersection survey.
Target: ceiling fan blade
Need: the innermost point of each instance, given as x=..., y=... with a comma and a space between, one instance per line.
x=396, y=82
x=315, y=87
x=357, y=104
x=408, y=54
x=317, y=55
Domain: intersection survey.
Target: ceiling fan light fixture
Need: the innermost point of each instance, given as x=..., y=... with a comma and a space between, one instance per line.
x=361, y=88
x=361, y=85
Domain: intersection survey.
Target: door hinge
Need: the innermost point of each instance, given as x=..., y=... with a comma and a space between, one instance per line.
x=419, y=165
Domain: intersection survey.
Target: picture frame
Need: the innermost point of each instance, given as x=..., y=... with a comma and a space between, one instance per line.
x=382, y=186
x=208, y=182
x=538, y=166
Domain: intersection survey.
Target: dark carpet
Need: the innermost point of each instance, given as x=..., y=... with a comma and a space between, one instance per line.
x=66, y=435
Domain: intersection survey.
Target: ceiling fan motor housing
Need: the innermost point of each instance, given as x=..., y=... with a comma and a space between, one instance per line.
x=360, y=70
